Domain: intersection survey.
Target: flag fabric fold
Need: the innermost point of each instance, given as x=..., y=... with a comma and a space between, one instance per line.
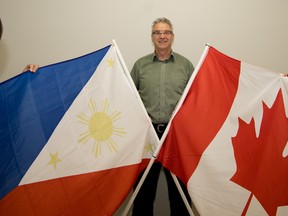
x=227, y=140
x=73, y=138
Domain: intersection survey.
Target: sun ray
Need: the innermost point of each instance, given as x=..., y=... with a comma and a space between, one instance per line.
x=119, y=131
x=115, y=116
x=105, y=106
x=113, y=147
x=84, y=137
x=92, y=106
x=83, y=118
x=97, y=148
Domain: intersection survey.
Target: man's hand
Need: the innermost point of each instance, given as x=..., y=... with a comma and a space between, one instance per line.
x=32, y=67
x=284, y=75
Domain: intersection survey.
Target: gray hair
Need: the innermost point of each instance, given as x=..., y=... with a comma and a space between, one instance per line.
x=162, y=19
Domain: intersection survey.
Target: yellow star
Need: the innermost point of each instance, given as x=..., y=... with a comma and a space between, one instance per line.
x=149, y=148
x=54, y=159
x=110, y=62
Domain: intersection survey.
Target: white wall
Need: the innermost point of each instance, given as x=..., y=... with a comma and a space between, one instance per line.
x=45, y=32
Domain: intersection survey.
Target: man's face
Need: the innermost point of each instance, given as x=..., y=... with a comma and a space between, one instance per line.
x=162, y=36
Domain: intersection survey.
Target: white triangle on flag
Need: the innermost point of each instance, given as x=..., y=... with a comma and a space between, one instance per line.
x=104, y=128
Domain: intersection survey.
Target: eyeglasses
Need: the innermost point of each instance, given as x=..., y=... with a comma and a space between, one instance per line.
x=158, y=33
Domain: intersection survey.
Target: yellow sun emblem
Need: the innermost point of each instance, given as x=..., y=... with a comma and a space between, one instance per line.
x=100, y=128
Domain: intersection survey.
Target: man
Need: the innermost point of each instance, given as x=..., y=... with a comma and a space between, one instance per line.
x=31, y=67
x=160, y=79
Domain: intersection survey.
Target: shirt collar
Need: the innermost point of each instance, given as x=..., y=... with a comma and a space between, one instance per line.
x=171, y=57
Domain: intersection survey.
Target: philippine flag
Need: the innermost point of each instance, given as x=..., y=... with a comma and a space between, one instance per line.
x=73, y=137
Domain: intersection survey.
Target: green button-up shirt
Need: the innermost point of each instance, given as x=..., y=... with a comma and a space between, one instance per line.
x=161, y=83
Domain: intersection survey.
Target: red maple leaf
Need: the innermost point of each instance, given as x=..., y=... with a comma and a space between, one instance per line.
x=261, y=166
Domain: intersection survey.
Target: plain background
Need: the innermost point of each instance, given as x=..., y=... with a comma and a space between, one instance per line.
x=46, y=32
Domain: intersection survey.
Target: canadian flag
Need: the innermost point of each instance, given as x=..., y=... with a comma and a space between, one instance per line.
x=227, y=140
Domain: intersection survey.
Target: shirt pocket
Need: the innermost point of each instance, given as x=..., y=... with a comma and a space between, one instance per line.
x=179, y=81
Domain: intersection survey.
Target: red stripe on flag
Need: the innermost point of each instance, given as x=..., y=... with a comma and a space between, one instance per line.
x=99, y=193
x=201, y=115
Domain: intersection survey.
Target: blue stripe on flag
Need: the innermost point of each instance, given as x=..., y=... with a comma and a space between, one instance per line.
x=31, y=106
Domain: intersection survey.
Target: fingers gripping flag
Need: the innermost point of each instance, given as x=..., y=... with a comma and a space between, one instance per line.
x=73, y=138
x=228, y=138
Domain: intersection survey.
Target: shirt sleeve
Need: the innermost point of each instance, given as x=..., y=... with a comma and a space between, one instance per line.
x=134, y=74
